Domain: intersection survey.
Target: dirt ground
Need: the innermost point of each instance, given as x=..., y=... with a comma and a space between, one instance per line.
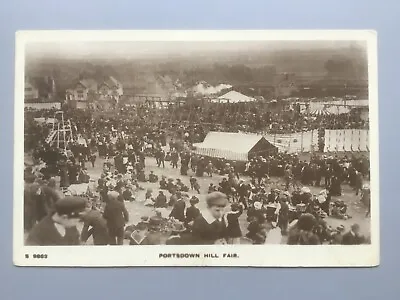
x=136, y=209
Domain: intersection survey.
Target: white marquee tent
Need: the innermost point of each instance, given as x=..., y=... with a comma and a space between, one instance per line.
x=232, y=146
x=233, y=97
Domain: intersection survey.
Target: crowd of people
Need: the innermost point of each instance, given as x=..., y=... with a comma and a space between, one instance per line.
x=267, y=208
x=258, y=117
x=124, y=140
x=194, y=121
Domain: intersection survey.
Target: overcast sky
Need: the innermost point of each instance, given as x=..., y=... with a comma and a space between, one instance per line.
x=163, y=49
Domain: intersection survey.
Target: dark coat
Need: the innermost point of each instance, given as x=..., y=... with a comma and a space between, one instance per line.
x=256, y=214
x=116, y=214
x=243, y=190
x=207, y=234
x=50, y=197
x=45, y=234
x=272, y=198
x=233, y=228
x=284, y=213
x=178, y=211
x=161, y=201
x=95, y=225
x=192, y=213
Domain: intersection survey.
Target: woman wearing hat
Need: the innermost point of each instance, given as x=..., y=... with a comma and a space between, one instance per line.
x=156, y=235
x=210, y=228
x=178, y=210
x=305, y=195
x=234, y=233
x=192, y=212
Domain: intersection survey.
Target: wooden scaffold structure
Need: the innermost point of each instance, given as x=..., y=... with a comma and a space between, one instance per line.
x=61, y=133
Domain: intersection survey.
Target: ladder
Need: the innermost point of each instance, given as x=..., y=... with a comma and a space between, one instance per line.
x=50, y=137
x=61, y=133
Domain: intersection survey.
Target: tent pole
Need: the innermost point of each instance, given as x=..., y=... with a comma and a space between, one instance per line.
x=301, y=144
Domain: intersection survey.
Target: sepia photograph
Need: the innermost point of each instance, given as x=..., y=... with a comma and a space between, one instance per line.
x=196, y=148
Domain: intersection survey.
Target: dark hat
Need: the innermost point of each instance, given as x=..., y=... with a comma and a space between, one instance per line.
x=216, y=199
x=155, y=222
x=71, y=205
x=194, y=200
x=178, y=227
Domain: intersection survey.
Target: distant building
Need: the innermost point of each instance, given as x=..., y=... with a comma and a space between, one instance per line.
x=155, y=100
x=82, y=89
x=91, y=90
x=111, y=87
x=39, y=89
x=31, y=91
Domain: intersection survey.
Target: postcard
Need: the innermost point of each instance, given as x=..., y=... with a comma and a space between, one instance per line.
x=247, y=148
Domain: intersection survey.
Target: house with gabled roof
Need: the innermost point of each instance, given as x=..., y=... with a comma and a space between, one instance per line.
x=81, y=89
x=89, y=89
x=110, y=87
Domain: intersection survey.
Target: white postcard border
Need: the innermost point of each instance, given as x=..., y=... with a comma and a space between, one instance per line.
x=247, y=255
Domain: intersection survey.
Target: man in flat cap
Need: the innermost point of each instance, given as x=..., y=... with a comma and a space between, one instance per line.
x=116, y=215
x=59, y=228
x=210, y=228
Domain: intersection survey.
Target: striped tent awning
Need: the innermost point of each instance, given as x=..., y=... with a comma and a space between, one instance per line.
x=320, y=112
